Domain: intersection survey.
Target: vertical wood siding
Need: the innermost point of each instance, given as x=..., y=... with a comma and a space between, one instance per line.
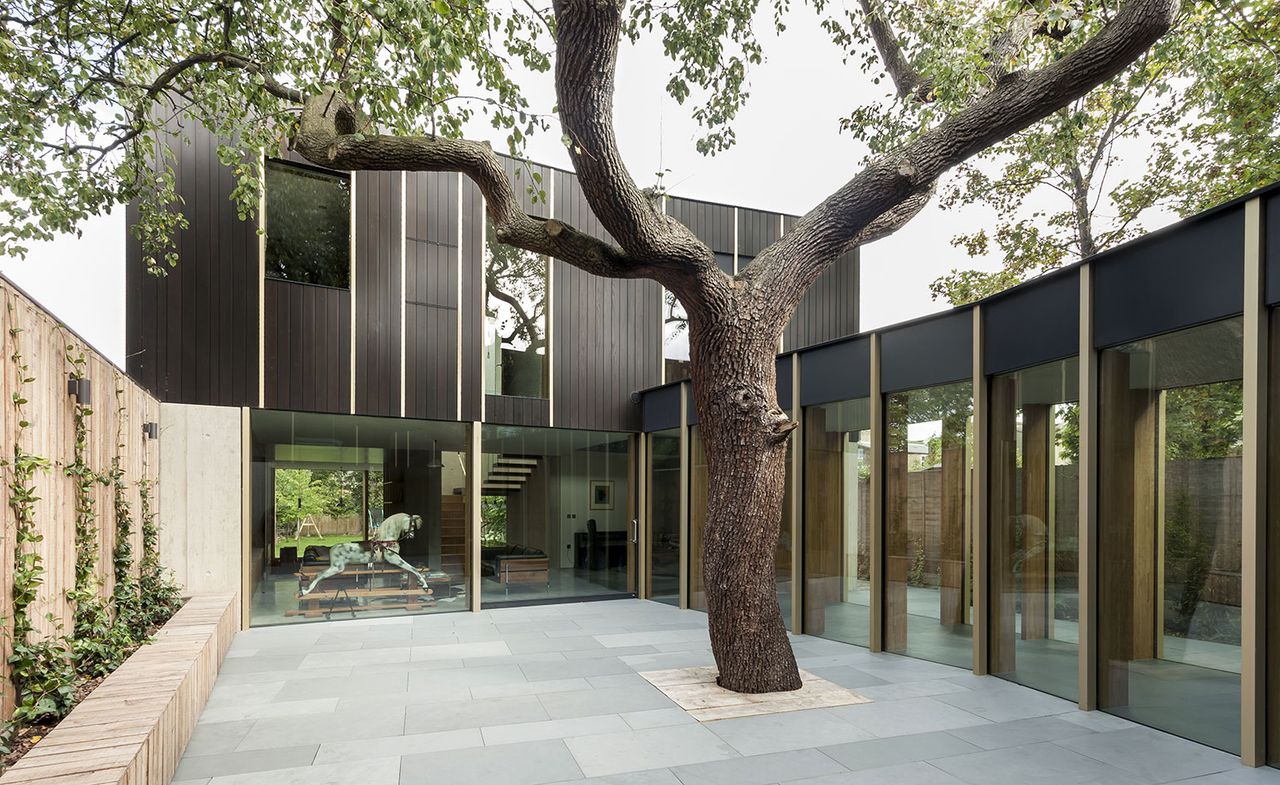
x=607, y=333
x=192, y=335
x=376, y=292
x=431, y=295
x=307, y=334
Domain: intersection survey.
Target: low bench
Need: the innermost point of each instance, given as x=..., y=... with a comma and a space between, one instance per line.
x=133, y=728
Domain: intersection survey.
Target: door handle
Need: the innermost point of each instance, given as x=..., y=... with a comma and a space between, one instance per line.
x=635, y=531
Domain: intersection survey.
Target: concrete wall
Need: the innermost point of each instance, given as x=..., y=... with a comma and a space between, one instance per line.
x=200, y=496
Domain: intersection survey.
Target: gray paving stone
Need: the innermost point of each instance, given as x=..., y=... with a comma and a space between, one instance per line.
x=650, y=777
x=465, y=677
x=381, y=771
x=344, y=726
x=793, y=730
x=258, y=711
x=1033, y=763
x=1002, y=704
x=605, y=700
x=901, y=774
x=540, y=671
x=427, y=718
x=657, y=718
x=328, y=687
x=759, y=769
x=216, y=738
x=653, y=748
x=532, y=763
x=846, y=676
x=529, y=688
x=393, y=746
x=907, y=716
x=197, y=766
x=910, y=689
x=545, y=644
x=265, y=663
x=891, y=751
x=554, y=729
x=1018, y=732
x=1151, y=754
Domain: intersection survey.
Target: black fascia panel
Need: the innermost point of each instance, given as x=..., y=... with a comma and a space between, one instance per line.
x=928, y=352
x=1033, y=324
x=838, y=371
x=1271, y=244
x=1189, y=275
x=660, y=409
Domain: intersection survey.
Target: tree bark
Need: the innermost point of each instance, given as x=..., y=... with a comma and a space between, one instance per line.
x=745, y=434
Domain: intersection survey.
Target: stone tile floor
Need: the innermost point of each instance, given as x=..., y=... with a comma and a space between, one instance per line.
x=551, y=694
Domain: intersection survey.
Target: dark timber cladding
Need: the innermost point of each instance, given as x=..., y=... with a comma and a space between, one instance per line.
x=829, y=309
x=1032, y=324
x=192, y=335
x=1187, y=274
x=606, y=333
x=710, y=223
x=472, y=305
x=376, y=291
x=307, y=334
x=431, y=295
x=661, y=408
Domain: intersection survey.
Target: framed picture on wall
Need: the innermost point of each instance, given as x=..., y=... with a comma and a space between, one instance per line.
x=601, y=495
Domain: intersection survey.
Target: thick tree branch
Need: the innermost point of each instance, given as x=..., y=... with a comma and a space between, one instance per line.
x=332, y=133
x=587, y=33
x=783, y=271
x=905, y=78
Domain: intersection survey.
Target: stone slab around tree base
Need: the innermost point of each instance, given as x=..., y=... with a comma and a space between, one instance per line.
x=695, y=690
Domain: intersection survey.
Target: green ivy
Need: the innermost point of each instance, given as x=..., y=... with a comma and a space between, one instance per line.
x=126, y=597
x=40, y=669
x=160, y=594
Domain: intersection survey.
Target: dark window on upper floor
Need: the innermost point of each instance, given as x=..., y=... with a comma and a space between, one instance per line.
x=308, y=224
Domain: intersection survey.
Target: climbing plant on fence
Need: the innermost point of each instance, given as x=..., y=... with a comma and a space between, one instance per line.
x=125, y=596
x=39, y=667
x=98, y=644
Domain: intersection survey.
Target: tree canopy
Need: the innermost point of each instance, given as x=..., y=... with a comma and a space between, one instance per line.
x=1190, y=124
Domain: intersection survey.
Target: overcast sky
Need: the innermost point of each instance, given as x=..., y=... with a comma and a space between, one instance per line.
x=789, y=156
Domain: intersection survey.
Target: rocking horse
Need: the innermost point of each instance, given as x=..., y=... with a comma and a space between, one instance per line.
x=400, y=526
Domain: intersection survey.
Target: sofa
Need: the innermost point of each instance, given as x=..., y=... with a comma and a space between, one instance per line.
x=515, y=564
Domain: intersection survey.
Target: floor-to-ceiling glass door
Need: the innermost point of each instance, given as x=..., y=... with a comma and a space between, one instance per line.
x=556, y=515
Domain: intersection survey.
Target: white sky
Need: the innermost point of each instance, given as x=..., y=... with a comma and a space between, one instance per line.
x=789, y=156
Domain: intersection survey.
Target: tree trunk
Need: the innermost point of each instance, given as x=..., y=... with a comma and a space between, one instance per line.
x=745, y=434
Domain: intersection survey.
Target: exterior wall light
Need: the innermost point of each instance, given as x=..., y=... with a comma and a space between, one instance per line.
x=151, y=430
x=81, y=388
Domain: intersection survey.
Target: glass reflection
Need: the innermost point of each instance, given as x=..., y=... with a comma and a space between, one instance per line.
x=356, y=517
x=928, y=603
x=664, y=516
x=555, y=514
x=837, y=515
x=1169, y=520
x=1035, y=600
x=515, y=344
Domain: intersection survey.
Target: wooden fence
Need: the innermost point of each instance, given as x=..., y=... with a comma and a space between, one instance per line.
x=119, y=410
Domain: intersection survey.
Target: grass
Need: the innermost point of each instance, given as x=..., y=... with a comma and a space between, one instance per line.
x=328, y=540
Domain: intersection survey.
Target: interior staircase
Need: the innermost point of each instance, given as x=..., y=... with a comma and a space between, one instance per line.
x=507, y=474
x=453, y=534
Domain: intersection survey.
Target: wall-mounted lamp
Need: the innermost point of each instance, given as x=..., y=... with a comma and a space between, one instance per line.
x=151, y=430
x=81, y=389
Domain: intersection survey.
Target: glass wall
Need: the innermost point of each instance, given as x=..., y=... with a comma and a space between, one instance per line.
x=1034, y=493
x=675, y=339
x=356, y=517
x=664, y=516
x=515, y=343
x=1169, y=523
x=308, y=223
x=555, y=514
x=698, y=480
x=928, y=600
x=837, y=521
